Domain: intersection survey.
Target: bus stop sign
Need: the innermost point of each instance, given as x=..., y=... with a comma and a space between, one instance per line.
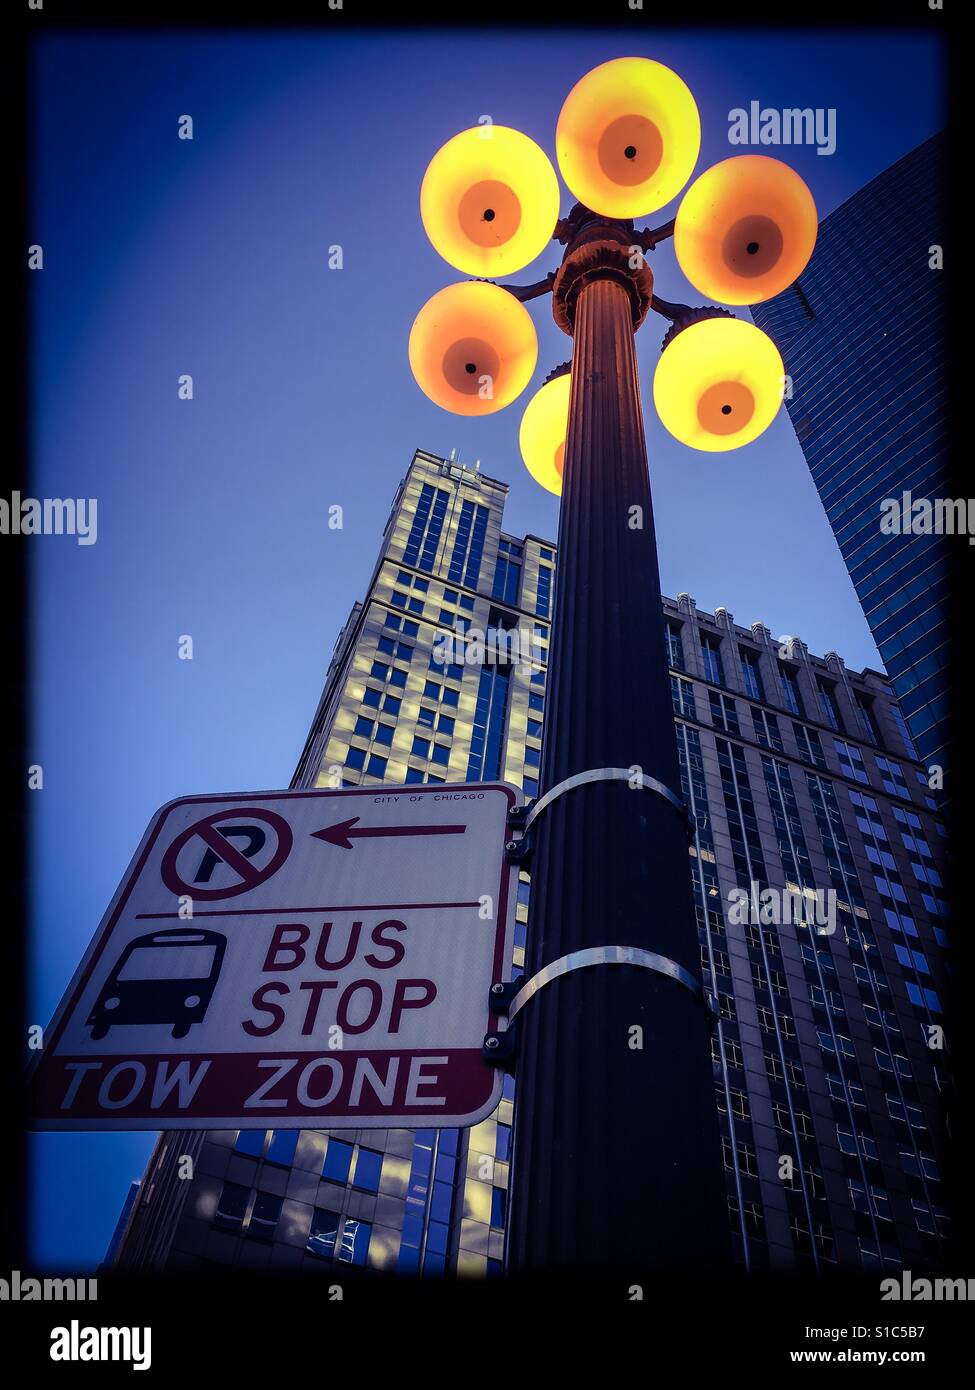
x=289, y=960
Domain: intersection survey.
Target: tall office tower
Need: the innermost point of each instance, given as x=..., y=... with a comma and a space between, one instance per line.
x=799, y=780
x=861, y=334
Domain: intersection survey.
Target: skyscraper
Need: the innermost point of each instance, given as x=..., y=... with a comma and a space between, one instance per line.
x=807, y=805
x=861, y=334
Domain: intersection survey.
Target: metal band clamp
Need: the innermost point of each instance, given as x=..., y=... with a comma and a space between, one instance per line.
x=525, y=816
x=602, y=955
x=501, y=1049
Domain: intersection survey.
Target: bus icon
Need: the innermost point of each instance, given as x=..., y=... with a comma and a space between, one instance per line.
x=164, y=977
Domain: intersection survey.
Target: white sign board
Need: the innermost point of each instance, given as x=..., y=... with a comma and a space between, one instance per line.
x=293, y=960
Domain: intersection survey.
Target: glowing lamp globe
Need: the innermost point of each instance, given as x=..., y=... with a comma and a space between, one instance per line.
x=718, y=384
x=745, y=229
x=489, y=200
x=542, y=434
x=628, y=137
x=473, y=348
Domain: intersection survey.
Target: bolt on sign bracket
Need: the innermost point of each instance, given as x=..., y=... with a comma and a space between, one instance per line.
x=523, y=817
x=501, y=1049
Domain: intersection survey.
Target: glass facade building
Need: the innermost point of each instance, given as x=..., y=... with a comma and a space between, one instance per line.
x=828, y=1091
x=861, y=334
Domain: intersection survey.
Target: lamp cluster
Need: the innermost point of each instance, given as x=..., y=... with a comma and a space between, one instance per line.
x=627, y=140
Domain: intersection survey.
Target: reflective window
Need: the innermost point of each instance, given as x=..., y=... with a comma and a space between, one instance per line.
x=752, y=676
x=711, y=657
x=282, y=1146
x=828, y=704
x=355, y=1241
x=498, y=1206
x=264, y=1217
x=789, y=685
x=232, y=1205
x=543, y=605
x=675, y=646
x=321, y=1237
x=368, y=1166
x=250, y=1141
x=338, y=1157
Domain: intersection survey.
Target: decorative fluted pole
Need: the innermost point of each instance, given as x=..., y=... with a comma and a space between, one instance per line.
x=617, y=1159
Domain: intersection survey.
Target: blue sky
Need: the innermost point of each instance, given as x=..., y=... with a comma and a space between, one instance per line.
x=210, y=257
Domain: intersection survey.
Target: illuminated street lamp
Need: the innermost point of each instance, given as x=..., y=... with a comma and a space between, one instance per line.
x=616, y=1156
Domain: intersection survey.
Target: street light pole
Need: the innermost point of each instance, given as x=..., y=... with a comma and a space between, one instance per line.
x=617, y=1157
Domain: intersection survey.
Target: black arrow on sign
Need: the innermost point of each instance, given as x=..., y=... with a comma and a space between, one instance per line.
x=343, y=834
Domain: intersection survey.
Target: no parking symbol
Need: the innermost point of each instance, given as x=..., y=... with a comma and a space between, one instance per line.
x=215, y=835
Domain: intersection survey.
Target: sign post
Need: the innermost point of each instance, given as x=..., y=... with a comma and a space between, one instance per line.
x=292, y=960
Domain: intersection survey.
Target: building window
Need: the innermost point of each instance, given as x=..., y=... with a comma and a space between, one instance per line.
x=904, y=732
x=323, y=1233
x=791, y=698
x=368, y=1166
x=453, y=670
x=250, y=1141
x=282, y=1147
x=865, y=710
x=892, y=777
x=682, y=697
x=338, y=1157
x=851, y=761
x=766, y=727
x=507, y=573
x=232, y=1205
x=465, y=561
x=751, y=674
x=426, y=528
x=754, y=1217
x=724, y=712
x=502, y=1146
x=487, y=736
x=711, y=657
x=355, y=1241
x=543, y=603
x=810, y=746
x=675, y=646
x=498, y=1203
x=827, y=703
x=264, y=1217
